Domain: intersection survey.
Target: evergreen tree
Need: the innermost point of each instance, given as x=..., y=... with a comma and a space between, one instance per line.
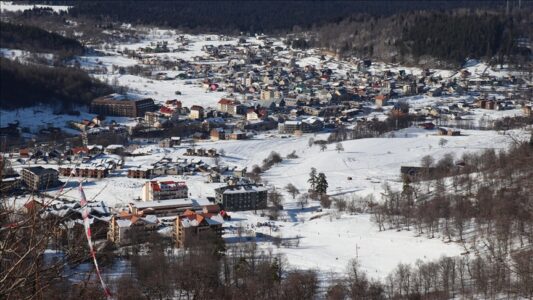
x=312, y=179
x=321, y=184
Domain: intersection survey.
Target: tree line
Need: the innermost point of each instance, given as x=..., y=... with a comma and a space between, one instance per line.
x=25, y=85
x=432, y=38
x=483, y=202
x=249, y=16
x=37, y=40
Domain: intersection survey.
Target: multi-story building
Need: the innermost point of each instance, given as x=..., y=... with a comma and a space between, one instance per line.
x=241, y=197
x=192, y=227
x=39, y=178
x=131, y=228
x=141, y=172
x=121, y=106
x=164, y=190
x=84, y=171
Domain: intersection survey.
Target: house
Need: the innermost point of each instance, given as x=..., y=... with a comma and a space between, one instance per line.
x=448, y=131
x=253, y=114
x=24, y=153
x=381, y=100
x=217, y=134
x=39, y=178
x=237, y=135
x=170, y=142
x=164, y=190
x=239, y=172
x=192, y=227
x=213, y=178
x=227, y=106
x=241, y=197
x=197, y=112
x=527, y=110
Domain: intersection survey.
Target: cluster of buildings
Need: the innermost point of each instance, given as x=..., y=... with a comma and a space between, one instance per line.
x=270, y=89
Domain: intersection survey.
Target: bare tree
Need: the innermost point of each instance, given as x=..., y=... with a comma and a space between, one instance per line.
x=291, y=189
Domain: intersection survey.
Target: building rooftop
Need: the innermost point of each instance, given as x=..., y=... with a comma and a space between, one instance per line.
x=40, y=170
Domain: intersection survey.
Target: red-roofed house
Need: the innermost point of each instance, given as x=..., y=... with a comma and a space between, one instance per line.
x=227, y=106
x=256, y=114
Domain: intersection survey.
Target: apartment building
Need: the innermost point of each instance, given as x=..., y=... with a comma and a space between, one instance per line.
x=164, y=190
x=39, y=178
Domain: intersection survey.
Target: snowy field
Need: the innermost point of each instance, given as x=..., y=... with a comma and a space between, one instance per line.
x=327, y=240
x=327, y=244
x=12, y=6
x=362, y=168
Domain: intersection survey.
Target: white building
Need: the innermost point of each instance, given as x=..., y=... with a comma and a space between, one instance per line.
x=164, y=190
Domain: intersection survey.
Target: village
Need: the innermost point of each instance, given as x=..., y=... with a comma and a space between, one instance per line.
x=173, y=161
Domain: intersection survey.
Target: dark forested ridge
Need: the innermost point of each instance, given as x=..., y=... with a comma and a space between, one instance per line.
x=431, y=33
x=250, y=16
x=397, y=31
x=437, y=36
x=34, y=39
x=27, y=85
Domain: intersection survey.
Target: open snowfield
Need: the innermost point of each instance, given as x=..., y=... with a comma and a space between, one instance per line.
x=40, y=117
x=370, y=163
x=162, y=90
x=329, y=242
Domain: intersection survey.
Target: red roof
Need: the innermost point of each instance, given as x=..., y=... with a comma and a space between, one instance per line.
x=166, y=110
x=77, y=150
x=225, y=101
x=175, y=185
x=155, y=186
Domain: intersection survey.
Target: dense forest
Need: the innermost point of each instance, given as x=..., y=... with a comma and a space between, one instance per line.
x=420, y=37
x=34, y=39
x=428, y=33
x=415, y=32
x=250, y=16
x=26, y=85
